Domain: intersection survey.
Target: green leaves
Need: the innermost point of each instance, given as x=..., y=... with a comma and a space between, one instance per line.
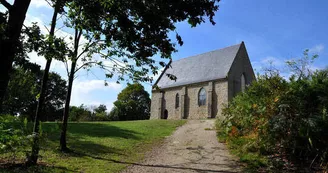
x=133, y=31
x=286, y=118
x=133, y=103
x=13, y=135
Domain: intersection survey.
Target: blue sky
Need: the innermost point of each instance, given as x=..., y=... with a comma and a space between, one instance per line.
x=272, y=31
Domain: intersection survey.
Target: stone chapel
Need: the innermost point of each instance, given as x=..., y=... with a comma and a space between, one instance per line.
x=204, y=84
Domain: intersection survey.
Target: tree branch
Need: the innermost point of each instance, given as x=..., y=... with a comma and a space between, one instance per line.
x=6, y=4
x=85, y=64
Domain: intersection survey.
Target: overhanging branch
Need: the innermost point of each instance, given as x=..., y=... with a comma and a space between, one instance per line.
x=6, y=4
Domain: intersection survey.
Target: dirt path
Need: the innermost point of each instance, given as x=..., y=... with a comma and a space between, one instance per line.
x=192, y=148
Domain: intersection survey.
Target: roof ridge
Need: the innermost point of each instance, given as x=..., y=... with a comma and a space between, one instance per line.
x=208, y=52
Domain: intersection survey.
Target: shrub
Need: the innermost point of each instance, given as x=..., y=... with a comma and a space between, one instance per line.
x=288, y=119
x=13, y=135
x=301, y=126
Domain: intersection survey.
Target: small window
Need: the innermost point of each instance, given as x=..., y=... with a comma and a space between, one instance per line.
x=177, y=100
x=202, y=97
x=243, y=82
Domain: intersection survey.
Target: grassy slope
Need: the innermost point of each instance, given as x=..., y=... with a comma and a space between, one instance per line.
x=102, y=146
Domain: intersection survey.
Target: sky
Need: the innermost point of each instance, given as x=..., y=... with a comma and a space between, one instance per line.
x=273, y=31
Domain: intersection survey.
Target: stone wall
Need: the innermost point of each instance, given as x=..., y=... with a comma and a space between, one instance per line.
x=241, y=65
x=217, y=96
x=193, y=110
x=220, y=98
x=155, y=107
x=169, y=103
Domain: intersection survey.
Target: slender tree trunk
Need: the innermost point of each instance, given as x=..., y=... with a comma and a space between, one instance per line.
x=63, y=142
x=17, y=13
x=33, y=158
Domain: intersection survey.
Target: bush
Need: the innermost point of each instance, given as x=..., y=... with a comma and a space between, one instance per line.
x=13, y=135
x=301, y=126
x=101, y=116
x=280, y=118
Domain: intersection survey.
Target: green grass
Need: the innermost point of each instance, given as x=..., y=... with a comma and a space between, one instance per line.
x=100, y=146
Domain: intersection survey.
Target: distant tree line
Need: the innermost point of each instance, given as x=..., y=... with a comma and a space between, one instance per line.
x=133, y=103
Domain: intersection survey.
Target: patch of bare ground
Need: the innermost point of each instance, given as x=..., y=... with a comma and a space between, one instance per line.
x=192, y=148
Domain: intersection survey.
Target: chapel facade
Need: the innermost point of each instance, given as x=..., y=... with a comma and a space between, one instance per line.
x=205, y=84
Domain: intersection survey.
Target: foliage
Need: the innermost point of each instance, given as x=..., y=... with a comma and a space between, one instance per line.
x=100, y=109
x=13, y=135
x=109, y=145
x=10, y=30
x=133, y=103
x=79, y=113
x=129, y=33
x=82, y=113
x=23, y=90
x=286, y=120
x=301, y=125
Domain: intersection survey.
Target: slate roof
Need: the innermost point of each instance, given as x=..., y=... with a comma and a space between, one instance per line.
x=200, y=68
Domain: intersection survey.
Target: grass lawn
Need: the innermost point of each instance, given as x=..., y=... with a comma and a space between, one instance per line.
x=99, y=146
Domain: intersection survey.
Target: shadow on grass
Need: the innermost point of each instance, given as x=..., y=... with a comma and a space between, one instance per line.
x=82, y=138
x=20, y=166
x=75, y=153
x=80, y=148
x=91, y=130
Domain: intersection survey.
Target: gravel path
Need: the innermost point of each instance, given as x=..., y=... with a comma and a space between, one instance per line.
x=192, y=148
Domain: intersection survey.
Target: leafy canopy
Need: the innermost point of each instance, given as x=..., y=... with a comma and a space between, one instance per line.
x=129, y=33
x=133, y=103
x=23, y=91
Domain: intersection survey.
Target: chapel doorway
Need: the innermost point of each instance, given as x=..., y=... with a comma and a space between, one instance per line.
x=166, y=114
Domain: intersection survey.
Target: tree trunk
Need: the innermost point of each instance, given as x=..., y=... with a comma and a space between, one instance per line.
x=17, y=14
x=63, y=142
x=63, y=146
x=33, y=158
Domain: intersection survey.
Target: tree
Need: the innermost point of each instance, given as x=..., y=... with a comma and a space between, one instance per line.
x=79, y=113
x=54, y=48
x=100, y=109
x=11, y=29
x=133, y=103
x=128, y=34
x=22, y=93
x=301, y=67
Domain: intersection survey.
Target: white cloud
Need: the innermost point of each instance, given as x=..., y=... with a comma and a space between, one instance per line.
x=87, y=86
x=268, y=62
x=94, y=93
x=40, y=3
x=273, y=61
x=317, y=48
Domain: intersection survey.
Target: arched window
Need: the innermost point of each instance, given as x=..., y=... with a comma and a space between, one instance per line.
x=243, y=82
x=177, y=100
x=202, y=97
